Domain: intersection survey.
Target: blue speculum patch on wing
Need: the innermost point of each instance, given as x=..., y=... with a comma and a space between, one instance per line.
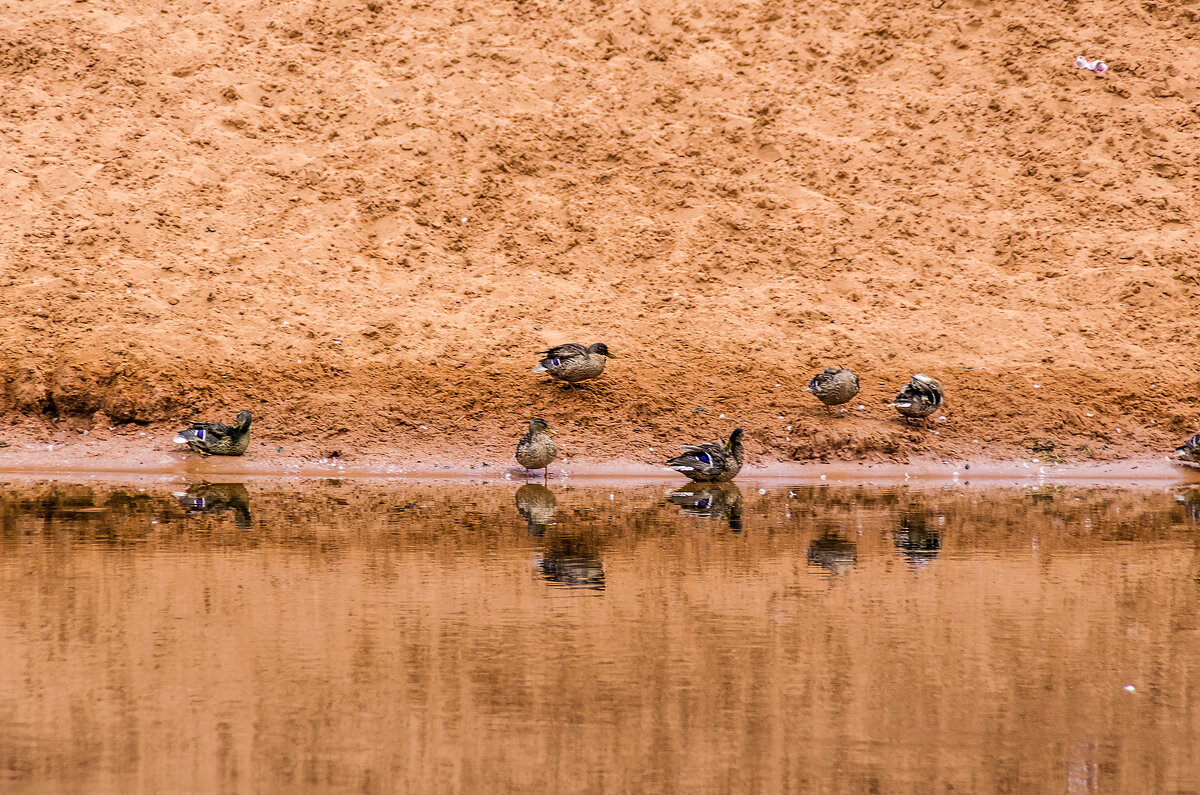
x=704, y=457
x=200, y=434
x=554, y=361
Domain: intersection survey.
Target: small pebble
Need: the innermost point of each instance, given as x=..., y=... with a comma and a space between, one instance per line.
x=1130, y=689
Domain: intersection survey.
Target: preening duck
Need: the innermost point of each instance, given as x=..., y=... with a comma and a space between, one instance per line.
x=217, y=438
x=835, y=386
x=919, y=398
x=707, y=463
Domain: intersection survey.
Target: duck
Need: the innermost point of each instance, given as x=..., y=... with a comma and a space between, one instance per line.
x=217, y=438
x=919, y=398
x=1188, y=453
x=710, y=463
x=835, y=386
x=573, y=363
x=536, y=449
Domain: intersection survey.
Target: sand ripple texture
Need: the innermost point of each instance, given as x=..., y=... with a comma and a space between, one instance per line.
x=361, y=220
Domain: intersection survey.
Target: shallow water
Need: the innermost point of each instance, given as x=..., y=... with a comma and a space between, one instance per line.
x=484, y=637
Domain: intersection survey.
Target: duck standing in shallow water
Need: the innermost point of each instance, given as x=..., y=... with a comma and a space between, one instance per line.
x=919, y=398
x=835, y=386
x=574, y=363
x=217, y=438
x=536, y=449
x=1188, y=453
x=709, y=463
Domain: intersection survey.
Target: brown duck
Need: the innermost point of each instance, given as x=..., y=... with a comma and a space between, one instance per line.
x=536, y=449
x=919, y=398
x=574, y=363
x=708, y=463
x=1188, y=453
x=217, y=438
x=835, y=386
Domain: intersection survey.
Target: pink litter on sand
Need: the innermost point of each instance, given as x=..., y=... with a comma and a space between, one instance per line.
x=1097, y=66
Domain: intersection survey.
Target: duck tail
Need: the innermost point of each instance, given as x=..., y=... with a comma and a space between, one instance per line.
x=541, y=368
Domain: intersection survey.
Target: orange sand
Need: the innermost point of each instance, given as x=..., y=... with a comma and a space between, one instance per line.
x=362, y=219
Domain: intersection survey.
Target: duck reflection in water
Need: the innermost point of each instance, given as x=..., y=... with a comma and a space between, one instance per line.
x=218, y=498
x=572, y=560
x=1190, y=500
x=536, y=503
x=833, y=552
x=714, y=500
x=916, y=539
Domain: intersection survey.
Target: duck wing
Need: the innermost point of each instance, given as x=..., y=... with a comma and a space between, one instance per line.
x=707, y=459
x=568, y=351
x=212, y=427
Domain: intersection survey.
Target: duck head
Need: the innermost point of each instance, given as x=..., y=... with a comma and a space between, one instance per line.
x=600, y=348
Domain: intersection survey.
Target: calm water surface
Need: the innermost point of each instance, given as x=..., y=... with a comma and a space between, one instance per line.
x=353, y=636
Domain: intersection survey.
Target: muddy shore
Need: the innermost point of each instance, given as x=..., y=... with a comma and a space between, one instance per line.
x=362, y=221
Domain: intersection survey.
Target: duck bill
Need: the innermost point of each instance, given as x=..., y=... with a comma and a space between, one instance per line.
x=611, y=355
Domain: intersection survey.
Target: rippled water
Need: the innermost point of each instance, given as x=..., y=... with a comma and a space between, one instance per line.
x=432, y=637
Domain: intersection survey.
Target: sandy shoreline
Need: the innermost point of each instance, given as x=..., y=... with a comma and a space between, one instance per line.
x=114, y=459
